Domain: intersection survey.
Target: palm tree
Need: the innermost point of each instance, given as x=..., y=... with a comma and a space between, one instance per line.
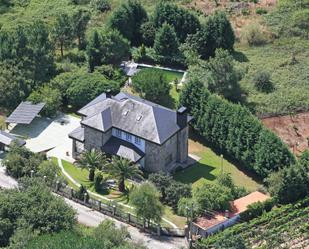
x=91, y=160
x=122, y=169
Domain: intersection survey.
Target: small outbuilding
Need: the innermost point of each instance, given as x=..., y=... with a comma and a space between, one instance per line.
x=7, y=139
x=213, y=222
x=24, y=113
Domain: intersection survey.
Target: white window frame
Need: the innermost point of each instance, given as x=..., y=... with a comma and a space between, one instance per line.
x=118, y=133
x=137, y=140
x=128, y=137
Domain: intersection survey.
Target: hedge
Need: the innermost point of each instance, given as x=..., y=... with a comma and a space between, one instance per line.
x=235, y=131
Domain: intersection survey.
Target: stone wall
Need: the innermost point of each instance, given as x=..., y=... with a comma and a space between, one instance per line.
x=162, y=157
x=95, y=139
x=159, y=157
x=183, y=146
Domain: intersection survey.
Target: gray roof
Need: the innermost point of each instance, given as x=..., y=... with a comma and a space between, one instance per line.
x=116, y=146
x=7, y=139
x=25, y=113
x=78, y=134
x=133, y=115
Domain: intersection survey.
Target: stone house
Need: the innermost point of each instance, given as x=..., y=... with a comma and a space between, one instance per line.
x=150, y=135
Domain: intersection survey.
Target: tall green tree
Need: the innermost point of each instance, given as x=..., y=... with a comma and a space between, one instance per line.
x=127, y=19
x=233, y=129
x=80, y=20
x=122, y=169
x=51, y=98
x=166, y=44
x=33, y=206
x=183, y=21
x=265, y=162
x=82, y=87
x=92, y=160
x=216, y=33
x=42, y=52
x=15, y=84
x=220, y=75
x=145, y=199
x=289, y=185
x=63, y=31
x=106, y=47
x=94, y=50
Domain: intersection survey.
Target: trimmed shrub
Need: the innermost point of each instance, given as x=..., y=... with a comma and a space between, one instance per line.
x=253, y=35
x=234, y=130
x=262, y=81
x=257, y=209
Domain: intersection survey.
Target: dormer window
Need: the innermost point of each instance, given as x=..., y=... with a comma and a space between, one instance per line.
x=139, y=117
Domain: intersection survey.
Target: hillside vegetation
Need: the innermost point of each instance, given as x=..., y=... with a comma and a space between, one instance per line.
x=280, y=228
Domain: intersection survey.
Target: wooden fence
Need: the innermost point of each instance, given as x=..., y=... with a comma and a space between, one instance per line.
x=115, y=211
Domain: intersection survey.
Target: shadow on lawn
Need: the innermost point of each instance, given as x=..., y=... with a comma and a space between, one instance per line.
x=195, y=172
x=241, y=167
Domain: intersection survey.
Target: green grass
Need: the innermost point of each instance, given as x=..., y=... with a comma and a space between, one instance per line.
x=81, y=176
x=170, y=75
x=209, y=167
x=291, y=88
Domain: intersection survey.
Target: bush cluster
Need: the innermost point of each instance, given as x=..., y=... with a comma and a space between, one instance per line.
x=234, y=130
x=209, y=197
x=171, y=191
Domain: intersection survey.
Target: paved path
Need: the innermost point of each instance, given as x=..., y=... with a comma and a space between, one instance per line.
x=93, y=218
x=6, y=181
x=90, y=217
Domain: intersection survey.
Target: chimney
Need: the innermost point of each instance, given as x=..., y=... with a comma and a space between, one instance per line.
x=182, y=117
x=108, y=94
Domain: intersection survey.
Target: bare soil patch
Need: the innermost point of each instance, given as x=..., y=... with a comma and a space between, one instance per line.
x=292, y=129
x=241, y=13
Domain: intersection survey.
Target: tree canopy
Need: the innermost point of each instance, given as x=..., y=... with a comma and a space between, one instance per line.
x=145, y=199
x=33, y=206
x=127, y=19
x=233, y=129
x=183, y=21
x=217, y=32
x=151, y=84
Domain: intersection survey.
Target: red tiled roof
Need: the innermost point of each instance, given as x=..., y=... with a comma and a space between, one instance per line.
x=240, y=205
x=237, y=206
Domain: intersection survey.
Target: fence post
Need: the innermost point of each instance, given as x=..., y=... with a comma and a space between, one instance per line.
x=129, y=217
x=114, y=210
x=71, y=193
x=85, y=198
x=32, y=173
x=158, y=230
x=99, y=204
x=57, y=186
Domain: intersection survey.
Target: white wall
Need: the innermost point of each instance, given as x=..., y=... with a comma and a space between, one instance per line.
x=141, y=146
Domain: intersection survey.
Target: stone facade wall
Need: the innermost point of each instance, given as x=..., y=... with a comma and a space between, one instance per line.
x=183, y=145
x=96, y=139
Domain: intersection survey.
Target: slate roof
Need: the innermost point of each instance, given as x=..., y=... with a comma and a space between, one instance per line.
x=7, y=139
x=78, y=134
x=25, y=113
x=116, y=146
x=131, y=114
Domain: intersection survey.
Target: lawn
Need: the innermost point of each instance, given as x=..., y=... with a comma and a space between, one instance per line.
x=81, y=176
x=170, y=75
x=209, y=167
